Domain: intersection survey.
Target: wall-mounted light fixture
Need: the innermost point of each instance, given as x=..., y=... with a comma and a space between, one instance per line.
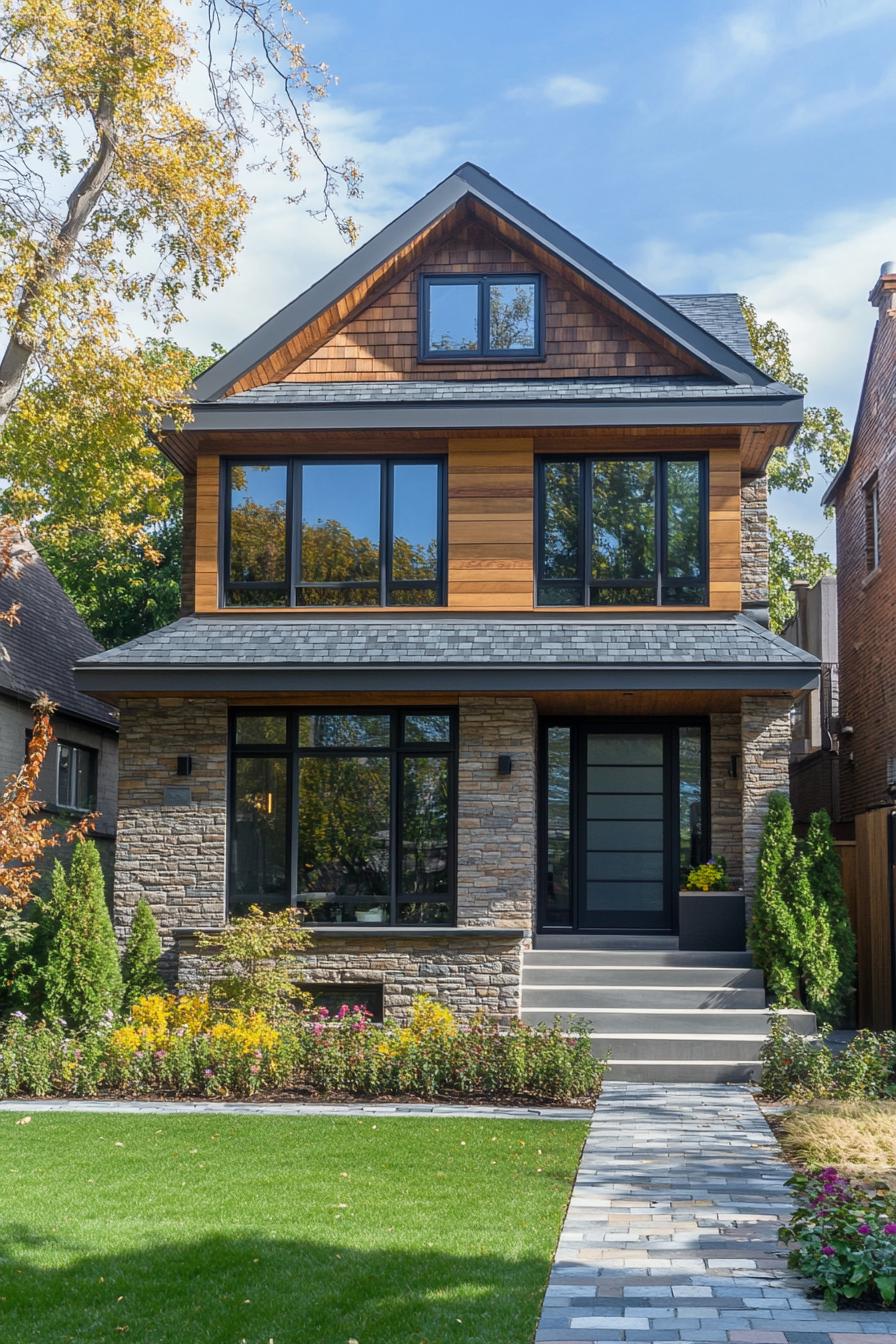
x=733, y=765
x=185, y=765
x=505, y=765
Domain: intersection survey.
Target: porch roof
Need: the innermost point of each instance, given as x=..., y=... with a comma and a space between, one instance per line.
x=330, y=652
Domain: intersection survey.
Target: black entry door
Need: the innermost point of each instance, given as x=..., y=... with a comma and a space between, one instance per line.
x=624, y=877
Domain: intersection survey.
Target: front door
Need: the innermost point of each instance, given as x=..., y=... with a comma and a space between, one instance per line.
x=625, y=795
x=624, y=816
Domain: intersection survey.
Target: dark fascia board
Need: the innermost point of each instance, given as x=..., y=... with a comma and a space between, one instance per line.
x=470, y=180
x=752, y=410
x=830, y=495
x=111, y=680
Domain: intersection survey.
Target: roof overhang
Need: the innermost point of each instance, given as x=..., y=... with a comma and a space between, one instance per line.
x=464, y=678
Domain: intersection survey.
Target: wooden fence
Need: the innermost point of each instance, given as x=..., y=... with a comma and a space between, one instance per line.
x=866, y=865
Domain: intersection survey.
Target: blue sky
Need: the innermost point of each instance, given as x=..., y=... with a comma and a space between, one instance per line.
x=700, y=145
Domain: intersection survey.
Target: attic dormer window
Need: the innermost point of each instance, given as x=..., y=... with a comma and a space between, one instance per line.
x=481, y=317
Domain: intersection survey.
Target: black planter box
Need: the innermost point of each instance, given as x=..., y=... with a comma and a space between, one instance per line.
x=711, y=921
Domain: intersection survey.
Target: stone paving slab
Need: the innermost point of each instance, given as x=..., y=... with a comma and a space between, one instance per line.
x=671, y=1231
x=103, y=1105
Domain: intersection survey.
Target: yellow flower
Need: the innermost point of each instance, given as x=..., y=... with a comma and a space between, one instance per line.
x=429, y=1018
x=126, y=1040
x=191, y=1011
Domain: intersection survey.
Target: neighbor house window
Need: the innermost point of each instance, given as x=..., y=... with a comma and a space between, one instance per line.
x=480, y=316
x=622, y=531
x=872, y=525
x=347, y=814
x=76, y=777
x=324, y=533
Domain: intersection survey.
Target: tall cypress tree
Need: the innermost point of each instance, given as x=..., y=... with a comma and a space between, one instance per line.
x=82, y=976
x=140, y=964
x=775, y=932
x=823, y=869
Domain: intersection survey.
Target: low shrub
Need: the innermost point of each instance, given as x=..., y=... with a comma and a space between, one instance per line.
x=188, y=1046
x=843, y=1238
x=800, y=1068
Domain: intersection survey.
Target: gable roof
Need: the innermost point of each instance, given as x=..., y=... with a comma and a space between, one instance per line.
x=37, y=654
x=677, y=319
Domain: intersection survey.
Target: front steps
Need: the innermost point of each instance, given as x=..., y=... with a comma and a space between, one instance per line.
x=660, y=1014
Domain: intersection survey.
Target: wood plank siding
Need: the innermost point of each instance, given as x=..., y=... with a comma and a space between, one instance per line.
x=491, y=512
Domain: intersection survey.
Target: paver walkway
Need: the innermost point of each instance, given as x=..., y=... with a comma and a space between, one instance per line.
x=671, y=1232
x=436, y=1110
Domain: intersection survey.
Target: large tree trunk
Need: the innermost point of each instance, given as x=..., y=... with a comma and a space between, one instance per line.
x=51, y=266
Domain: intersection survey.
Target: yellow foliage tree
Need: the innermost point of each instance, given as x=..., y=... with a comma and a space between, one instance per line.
x=115, y=190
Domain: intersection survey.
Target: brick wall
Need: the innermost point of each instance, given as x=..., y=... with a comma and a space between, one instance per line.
x=867, y=602
x=765, y=746
x=754, y=540
x=469, y=974
x=171, y=847
x=496, y=813
x=582, y=339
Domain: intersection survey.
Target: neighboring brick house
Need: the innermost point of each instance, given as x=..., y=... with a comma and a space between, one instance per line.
x=864, y=495
x=815, y=762
x=80, y=773
x=474, y=646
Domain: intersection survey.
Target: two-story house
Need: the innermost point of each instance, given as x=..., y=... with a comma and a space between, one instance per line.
x=474, y=645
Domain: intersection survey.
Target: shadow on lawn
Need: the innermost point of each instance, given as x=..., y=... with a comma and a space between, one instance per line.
x=223, y=1290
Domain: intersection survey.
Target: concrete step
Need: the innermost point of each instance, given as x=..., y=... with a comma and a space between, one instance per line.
x=588, y=998
x=688, y=1071
x=606, y=941
x=623, y=957
x=668, y=1021
x=672, y=977
x=677, y=1048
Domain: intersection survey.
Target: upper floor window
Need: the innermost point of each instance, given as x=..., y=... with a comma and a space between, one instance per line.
x=622, y=531
x=76, y=777
x=872, y=524
x=322, y=533
x=481, y=317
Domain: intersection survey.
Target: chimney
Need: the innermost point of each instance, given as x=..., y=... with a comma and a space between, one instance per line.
x=883, y=295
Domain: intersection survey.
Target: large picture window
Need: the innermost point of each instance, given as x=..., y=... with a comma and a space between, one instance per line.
x=622, y=531
x=348, y=814
x=480, y=317
x=322, y=533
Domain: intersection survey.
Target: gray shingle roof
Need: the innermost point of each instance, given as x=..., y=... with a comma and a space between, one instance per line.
x=504, y=390
x=373, y=647
x=719, y=314
x=37, y=654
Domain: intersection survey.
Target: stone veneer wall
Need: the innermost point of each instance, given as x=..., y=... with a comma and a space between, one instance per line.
x=496, y=822
x=754, y=540
x=469, y=974
x=765, y=735
x=725, y=793
x=171, y=847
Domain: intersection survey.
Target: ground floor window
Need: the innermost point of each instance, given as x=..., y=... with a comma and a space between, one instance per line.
x=336, y=998
x=349, y=814
x=624, y=808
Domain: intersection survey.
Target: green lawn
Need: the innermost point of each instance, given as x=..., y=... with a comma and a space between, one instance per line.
x=244, y=1230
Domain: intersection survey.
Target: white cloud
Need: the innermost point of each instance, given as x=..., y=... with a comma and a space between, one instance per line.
x=733, y=47
x=814, y=282
x=838, y=103
x=561, y=91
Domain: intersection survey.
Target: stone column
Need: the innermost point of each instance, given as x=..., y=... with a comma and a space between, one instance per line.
x=496, y=829
x=725, y=793
x=754, y=541
x=765, y=739
x=171, y=842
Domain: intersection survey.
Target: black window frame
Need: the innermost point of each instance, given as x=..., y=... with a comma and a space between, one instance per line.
x=871, y=492
x=93, y=758
x=293, y=585
x=583, y=577
x=396, y=751
x=580, y=726
x=484, y=352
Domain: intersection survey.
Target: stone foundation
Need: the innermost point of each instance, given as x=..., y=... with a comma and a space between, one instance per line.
x=470, y=975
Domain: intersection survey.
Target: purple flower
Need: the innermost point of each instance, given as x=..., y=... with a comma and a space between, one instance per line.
x=209, y=1073
x=863, y=1230
x=828, y=1173
x=828, y=1250
x=159, y=1054
x=20, y=1017
x=890, y=1229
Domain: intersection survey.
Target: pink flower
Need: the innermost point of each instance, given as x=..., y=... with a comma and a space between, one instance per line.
x=159, y=1054
x=253, y=1068
x=828, y=1250
x=317, y=1028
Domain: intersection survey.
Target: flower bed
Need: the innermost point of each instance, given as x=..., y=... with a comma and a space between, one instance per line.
x=184, y=1047
x=799, y=1068
x=843, y=1239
